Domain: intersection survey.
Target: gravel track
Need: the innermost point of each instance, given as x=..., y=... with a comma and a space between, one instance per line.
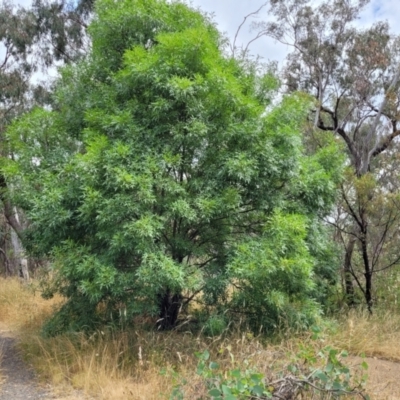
x=19, y=381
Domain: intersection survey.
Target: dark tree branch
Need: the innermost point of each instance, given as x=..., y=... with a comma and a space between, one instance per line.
x=233, y=46
x=352, y=212
x=385, y=144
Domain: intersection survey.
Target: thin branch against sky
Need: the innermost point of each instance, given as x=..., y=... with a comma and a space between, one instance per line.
x=229, y=15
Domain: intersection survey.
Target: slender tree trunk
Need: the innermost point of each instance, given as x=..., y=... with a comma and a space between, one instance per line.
x=348, y=276
x=170, y=306
x=11, y=214
x=7, y=267
x=368, y=291
x=19, y=260
x=367, y=271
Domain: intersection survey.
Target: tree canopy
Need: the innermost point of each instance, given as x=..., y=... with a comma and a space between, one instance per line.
x=353, y=74
x=163, y=174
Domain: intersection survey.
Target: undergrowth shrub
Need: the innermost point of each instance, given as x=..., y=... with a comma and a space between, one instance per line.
x=215, y=325
x=321, y=374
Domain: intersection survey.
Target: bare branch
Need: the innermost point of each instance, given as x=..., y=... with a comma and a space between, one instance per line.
x=233, y=46
x=378, y=148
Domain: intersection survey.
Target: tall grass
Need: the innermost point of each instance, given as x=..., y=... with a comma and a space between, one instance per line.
x=1, y=359
x=130, y=364
x=139, y=364
x=143, y=364
x=376, y=335
x=105, y=364
x=21, y=305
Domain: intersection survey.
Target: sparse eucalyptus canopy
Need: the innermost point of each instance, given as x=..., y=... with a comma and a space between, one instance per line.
x=354, y=76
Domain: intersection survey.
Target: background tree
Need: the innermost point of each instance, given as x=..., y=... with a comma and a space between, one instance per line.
x=354, y=77
x=16, y=32
x=158, y=177
x=32, y=39
x=60, y=29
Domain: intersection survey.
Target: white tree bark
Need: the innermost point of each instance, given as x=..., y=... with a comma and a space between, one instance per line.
x=20, y=259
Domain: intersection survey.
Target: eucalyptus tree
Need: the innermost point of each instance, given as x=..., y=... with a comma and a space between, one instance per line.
x=354, y=76
x=61, y=29
x=159, y=178
x=16, y=37
x=32, y=39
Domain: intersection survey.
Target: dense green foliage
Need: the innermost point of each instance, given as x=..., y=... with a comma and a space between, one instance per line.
x=158, y=178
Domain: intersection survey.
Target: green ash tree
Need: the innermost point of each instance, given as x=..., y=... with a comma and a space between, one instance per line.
x=162, y=174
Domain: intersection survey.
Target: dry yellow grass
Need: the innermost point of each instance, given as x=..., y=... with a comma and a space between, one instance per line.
x=22, y=306
x=375, y=336
x=378, y=338
x=99, y=365
x=121, y=365
x=1, y=376
x=127, y=365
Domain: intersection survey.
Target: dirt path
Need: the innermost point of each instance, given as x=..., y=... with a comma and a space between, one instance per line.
x=19, y=380
x=383, y=378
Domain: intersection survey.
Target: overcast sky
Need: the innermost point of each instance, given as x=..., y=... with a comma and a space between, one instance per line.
x=230, y=13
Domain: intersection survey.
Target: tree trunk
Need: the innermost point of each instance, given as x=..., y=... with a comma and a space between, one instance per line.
x=19, y=260
x=7, y=267
x=367, y=272
x=10, y=212
x=368, y=291
x=348, y=276
x=170, y=306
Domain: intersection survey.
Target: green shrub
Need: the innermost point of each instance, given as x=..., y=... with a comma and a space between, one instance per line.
x=314, y=373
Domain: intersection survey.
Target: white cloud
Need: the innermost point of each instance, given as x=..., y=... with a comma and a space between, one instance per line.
x=382, y=10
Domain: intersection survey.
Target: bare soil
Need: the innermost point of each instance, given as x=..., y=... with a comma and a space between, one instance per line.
x=18, y=380
x=383, y=378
